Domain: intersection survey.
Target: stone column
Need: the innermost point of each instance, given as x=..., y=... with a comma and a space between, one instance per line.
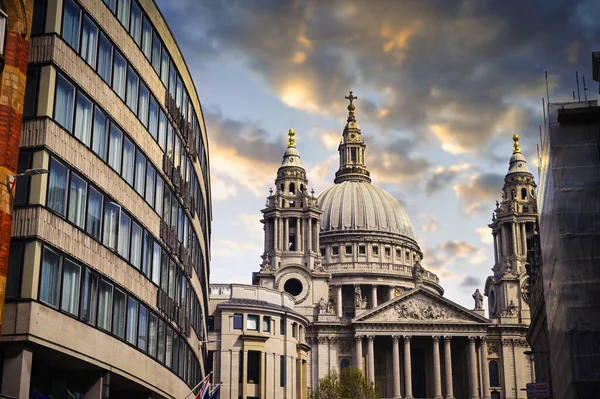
x=396, y=366
x=437, y=374
x=370, y=359
x=245, y=374
x=276, y=233
x=286, y=234
x=448, y=368
x=338, y=301
x=309, y=234
x=373, y=296
x=333, y=356
x=485, y=373
x=358, y=353
x=513, y=226
x=504, y=249
x=16, y=375
x=407, y=369
x=472, y=369
x=298, y=234
x=322, y=357
x=263, y=374
x=524, y=238
x=495, y=235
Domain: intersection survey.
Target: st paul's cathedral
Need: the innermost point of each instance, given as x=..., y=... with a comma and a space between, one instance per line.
x=343, y=282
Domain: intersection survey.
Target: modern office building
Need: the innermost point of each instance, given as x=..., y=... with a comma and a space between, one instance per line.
x=108, y=275
x=350, y=262
x=565, y=337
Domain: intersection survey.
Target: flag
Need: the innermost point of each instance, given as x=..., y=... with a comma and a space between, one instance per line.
x=215, y=392
x=203, y=392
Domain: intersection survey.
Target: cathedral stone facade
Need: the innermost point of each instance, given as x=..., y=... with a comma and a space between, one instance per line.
x=358, y=294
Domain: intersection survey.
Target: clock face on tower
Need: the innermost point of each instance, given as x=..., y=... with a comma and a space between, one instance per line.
x=525, y=289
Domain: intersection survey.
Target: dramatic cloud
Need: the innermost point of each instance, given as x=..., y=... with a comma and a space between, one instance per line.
x=443, y=177
x=485, y=234
x=451, y=255
x=479, y=194
x=452, y=72
x=429, y=224
x=221, y=190
x=470, y=281
x=243, y=152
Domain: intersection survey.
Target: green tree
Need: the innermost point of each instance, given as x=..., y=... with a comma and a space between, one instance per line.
x=349, y=384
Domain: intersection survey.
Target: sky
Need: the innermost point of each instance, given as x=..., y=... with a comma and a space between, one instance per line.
x=442, y=86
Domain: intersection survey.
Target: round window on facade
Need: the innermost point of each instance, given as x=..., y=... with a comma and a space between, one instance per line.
x=293, y=286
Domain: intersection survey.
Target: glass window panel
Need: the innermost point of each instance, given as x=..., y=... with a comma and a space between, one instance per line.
x=156, y=47
x=152, y=334
x=167, y=207
x=31, y=92
x=147, y=256
x=177, y=160
x=153, y=123
x=89, y=299
x=99, y=136
x=140, y=172
x=63, y=106
x=111, y=224
x=13, y=278
x=179, y=96
x=172, y=86
x=57, y=186
x=119, y=72
x=89, y=41
x=143, y=329
x=172, y=284
x=128, y=160
x=150, y=185
x=135, y=28
x=159, y=194
x=114, y=147
x=123, y=12
x=70, y=287
x=146, y=38
x=124, y=235
x=136, y=245
x=156, y=263
x=70, y=23
x=252, y=322
x=50, y=277
x=237, y=321
x=164, y=272
x=143, y=106
x=132, y=89
x=77, y=200
x=132, y=314
x=39, y=17
x=174, y=207
x=105, y=305
x=119, y=310
x=112, y=4
x=105, y=52
x=164, y=67
x=162, y=129
x=160, y=351
x=94, y=213
x=175, y=363
x=83, y=119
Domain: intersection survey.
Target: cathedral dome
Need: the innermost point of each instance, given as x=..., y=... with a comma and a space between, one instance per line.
x=359, y=205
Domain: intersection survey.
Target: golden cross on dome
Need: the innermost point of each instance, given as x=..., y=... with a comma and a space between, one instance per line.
x=292, y=139
x=351, y=107
x=516, y=147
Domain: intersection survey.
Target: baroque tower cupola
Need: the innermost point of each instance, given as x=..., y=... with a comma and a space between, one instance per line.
x=291, y=216
x=514, y=222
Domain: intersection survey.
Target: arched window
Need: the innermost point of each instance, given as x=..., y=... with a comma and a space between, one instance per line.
x=344, y=364
x=292, y=188
x=494, y=374
x=302, y=188
x=523, y=193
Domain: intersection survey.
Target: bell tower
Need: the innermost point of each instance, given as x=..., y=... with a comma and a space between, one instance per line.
x=514, y=222
x=291, y=217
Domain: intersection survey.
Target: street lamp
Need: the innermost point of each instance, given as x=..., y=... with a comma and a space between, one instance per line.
x=12, y=179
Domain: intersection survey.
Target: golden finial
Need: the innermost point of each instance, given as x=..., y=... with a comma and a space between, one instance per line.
x=351, y=107
x=292, y=139
x=516, y=147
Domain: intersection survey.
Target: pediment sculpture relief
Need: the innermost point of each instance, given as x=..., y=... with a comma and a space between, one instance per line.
x=420, y=309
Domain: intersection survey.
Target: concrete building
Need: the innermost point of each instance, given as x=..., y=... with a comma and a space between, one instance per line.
x=565, y=338
x=351, y=262
x=107, y=280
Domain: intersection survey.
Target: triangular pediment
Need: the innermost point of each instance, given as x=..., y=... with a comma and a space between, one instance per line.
x=420, y=306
